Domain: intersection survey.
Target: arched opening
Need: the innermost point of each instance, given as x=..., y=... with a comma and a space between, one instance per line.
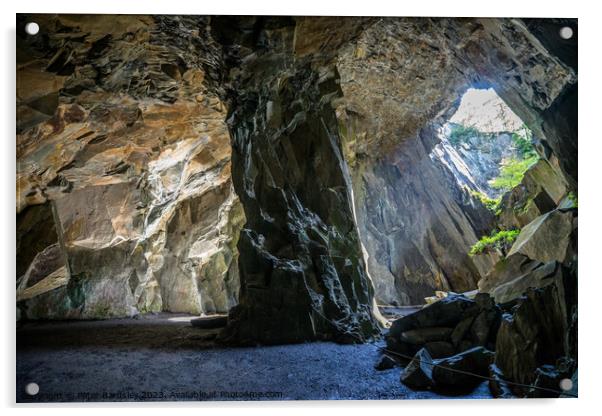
x=495, y=147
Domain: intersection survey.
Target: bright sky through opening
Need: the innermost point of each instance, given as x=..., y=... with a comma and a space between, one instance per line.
x=485, y=111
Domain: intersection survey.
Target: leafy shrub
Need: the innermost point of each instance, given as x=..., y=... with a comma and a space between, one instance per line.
x=501, y=240
x=512, y=172
x=573, y=199
x=460, y=133
x=492, y=204
x=523, y=141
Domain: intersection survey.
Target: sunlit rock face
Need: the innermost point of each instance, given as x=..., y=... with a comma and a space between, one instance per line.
x=477, y=160
x=541, y=190
x=124, y=195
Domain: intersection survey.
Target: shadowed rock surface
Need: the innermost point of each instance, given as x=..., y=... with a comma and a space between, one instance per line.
x=302, y=272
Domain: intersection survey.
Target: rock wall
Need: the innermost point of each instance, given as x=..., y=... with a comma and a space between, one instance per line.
x=302, y=272
x=417, y=225
x=123, y=170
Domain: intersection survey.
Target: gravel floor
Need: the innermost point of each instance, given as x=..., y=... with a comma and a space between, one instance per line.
x=164, y=358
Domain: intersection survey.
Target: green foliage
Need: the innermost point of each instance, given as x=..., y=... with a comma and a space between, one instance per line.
x=501, y=240
x=460, y=133
x=523, y=141
x=573, y=199
x=512, y=172
x=492, y=204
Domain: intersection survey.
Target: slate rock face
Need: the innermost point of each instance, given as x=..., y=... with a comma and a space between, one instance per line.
x=479, y=159
x=302, y=272
x=546, y=238
x=146, y=143
x=542, y=317
x=401, y=79
x=123, y=163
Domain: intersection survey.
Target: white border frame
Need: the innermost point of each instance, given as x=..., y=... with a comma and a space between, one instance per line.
x=590, y=155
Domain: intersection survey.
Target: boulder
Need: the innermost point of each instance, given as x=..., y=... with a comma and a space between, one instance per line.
x=547, y=382
x=472, y=322
x=421, y=336
x=210, y=322
x=497, y=385
x=484, y=301
x=537, y=333
x=505, y=270
x=418, y=373
x=535, y=278
x=462, y=371
x=540, y=191
x=446, y=312
x=484, y=327
x=58, y=278
x=45, y=262
x=525, y=208
x=546, y=238
x=405, y=350
x=460, y=331
x=440, y=349
x=549, y=179
x=385, y=362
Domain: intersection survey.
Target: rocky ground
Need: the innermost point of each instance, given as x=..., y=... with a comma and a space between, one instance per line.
x=158, y=358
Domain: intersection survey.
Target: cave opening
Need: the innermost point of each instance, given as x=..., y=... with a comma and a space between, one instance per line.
x=486, y=145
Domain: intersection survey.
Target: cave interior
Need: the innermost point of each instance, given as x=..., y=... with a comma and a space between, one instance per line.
x=202, y=182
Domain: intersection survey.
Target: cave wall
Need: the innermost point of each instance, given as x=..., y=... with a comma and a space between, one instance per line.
x=119, y=131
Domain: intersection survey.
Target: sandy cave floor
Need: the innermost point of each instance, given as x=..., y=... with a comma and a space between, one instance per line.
x=162, y=357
